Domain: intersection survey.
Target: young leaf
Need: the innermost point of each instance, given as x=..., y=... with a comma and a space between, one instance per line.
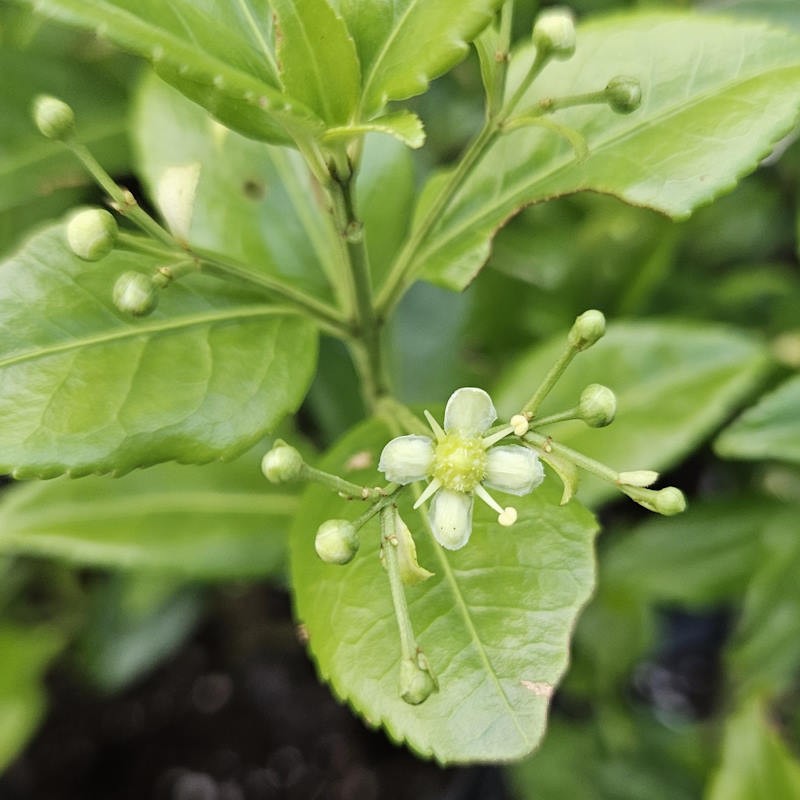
x=254, y=203
x=756, y=764
x=717, y=94
x=405, y=45
x=403, y=125
x=26, y=653
x=216, y=522
x=675, y=383
x=768, y=430
x=494, y=622
x=318, y=60
x=84, y=389
x=205, y=52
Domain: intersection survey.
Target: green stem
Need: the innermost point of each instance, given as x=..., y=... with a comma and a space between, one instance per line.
x=124, y=201
x=144, y=244
x=502, y=57
x=365, y=343
x=408, y=644
x=556, y=371
x=324, y=314
x=392, y=491
x=392, y=411
x=563, y=416
x=400, y=274
x=579, y=459
x=348, y=490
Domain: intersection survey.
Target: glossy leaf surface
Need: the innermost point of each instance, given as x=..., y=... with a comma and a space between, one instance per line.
x=221, y=60
x=219, y=521
x=405, y=44
x=768, y=430
x=494, y=621
x=675, y=382
x=84, y=389
x=717, y=94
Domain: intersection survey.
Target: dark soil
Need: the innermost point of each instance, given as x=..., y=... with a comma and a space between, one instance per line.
x=236, y=714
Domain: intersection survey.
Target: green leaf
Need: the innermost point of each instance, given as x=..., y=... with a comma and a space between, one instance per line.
x=254, y=203
x=134, y=622
x=702, y=557
x=756, y=764
x=764, y=654
x=385, y=196
x=675, y=383
x=26, y=653
x=779, y=12
x=494, y=621
x=404, y=45
x=216, y=522
x=718, y=93
x=220, y=60
x=84, y=389
x=318, y=60
x=403, y=125
x=40, y=180
x=768, y=430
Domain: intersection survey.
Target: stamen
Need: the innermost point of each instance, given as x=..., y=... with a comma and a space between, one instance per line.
x=430, y=489
x=496, y=437
x=435, y=426
x=508, y=517
x=488, y=499
x=520, y=423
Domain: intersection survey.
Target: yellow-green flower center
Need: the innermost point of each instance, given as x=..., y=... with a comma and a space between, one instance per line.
x=460, y=462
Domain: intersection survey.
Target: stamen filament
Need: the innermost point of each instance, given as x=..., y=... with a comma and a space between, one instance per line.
x=497, y=436
x=430, y=489
x=438, y=432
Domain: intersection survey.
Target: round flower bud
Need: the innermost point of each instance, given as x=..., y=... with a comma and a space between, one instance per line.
x=282, y=464
x=587, y=329
x=53, y=117
x=669, y=501
x=91, y=233
x=624, y=94
x=597, y=406
x=554, y=33
x=336, y=541
x=135, y=294
x=416, y=683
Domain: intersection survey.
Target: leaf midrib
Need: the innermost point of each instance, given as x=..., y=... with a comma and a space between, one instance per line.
x=153, y=328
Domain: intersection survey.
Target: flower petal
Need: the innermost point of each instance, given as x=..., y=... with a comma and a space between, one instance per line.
x=451, y=518
x=514, y=469
x=406, y=459
x=469, y=412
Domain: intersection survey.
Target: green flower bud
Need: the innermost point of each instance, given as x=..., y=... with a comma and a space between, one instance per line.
x=669, y=501
x=336, y=541
x=416, y=682
x=597, y=406
x=624, y=94
x=91, y=233
x=135, y=294
x=587, y=329
x=282, y=464
x=53, y=117
x=554, y=33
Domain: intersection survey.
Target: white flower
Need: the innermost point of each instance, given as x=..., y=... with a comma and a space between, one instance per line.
x=459, y=463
